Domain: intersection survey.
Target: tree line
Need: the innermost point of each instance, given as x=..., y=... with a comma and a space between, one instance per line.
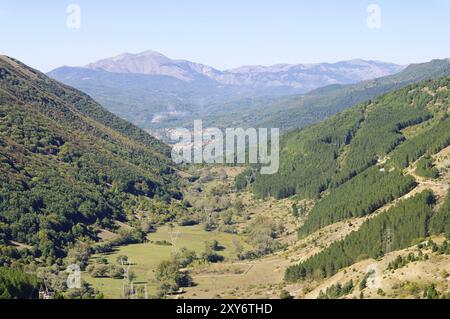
x=358, y=197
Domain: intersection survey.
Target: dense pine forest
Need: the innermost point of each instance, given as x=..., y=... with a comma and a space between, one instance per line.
x=440, y=223
x=392, y=230
x=308, y=158
x=328, y=154
x=359, y=197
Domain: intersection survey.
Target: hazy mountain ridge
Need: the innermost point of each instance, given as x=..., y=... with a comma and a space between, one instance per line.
x=152, y=63
x=299, y=76
x=298, y=111
x=154, y=92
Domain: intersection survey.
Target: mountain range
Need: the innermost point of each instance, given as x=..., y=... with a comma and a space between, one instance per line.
x=153, y=91
x=298, y=111
x=301, y=77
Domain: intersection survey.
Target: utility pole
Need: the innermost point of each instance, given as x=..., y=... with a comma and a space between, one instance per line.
x=127, y=288
x=388, y=238
x=44, y=292
x=174, y=235
x=214, y=278
x=136, y=288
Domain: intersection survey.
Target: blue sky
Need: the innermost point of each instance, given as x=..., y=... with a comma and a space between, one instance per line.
x=225, y=34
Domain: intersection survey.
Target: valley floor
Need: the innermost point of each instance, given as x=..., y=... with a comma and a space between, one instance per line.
x=263, y=277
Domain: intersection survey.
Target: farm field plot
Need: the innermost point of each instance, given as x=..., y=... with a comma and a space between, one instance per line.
x=146, y=257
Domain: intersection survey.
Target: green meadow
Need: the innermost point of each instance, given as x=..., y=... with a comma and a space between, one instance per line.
x=146, y=257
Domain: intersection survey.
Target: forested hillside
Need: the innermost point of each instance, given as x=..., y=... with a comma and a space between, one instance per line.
x=354, y=163
x=67, y=165
x=15, y=284
x=440, y=223
x=392, y=230
x=295, y=112
x=359, y=197
x=329, y=154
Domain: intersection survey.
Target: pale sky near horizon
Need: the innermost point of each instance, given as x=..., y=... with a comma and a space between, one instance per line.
x=225, y=34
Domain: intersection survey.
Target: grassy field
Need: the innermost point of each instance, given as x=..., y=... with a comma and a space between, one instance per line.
x=146, y=257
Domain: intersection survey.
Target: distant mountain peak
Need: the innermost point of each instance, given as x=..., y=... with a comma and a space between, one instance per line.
x=150, y=53
x=299, y=76
x=149, y=87
x=147, y=62
x=125, y=55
